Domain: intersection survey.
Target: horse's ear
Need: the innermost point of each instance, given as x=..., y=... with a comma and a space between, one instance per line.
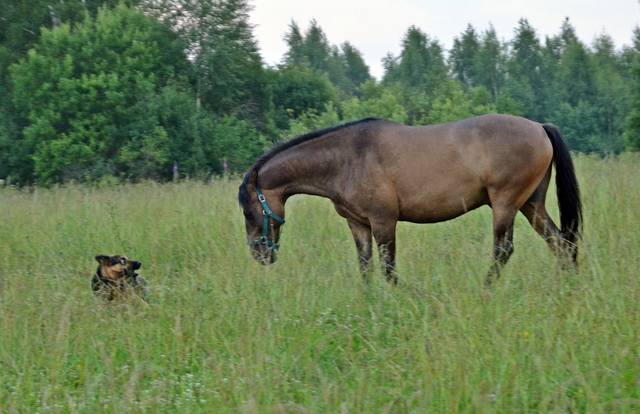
x=251, y=177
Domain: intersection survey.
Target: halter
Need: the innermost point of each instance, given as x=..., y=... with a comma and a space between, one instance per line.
x=267, y=216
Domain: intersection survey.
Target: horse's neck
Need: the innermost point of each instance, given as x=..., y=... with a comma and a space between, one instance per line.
x=313, y=168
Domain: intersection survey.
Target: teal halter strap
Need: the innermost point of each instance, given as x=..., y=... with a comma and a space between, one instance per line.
x=267, y=216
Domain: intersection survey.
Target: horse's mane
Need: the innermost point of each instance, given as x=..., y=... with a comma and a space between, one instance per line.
x=243, y=194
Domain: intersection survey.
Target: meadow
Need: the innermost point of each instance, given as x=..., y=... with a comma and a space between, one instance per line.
x=305, y=335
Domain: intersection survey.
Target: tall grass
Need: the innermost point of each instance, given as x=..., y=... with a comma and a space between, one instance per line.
x=224, y=334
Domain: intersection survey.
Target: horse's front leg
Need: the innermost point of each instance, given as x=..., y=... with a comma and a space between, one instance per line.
x=362, y=237
x=385, y=234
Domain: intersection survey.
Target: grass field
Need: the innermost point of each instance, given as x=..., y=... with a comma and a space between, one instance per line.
x=224, y=334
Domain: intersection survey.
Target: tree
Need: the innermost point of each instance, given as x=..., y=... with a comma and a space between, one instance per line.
x=421, y=62
x=337, y=72
x=420, y=72
x=612, y=94
x=632, y=130
x=575, y=70
x=21, y=21
x=297, y=90
x=357, y=71
x=230, y=78
x=525, y=83
x=457, y=104
x=587, y=91
x=295, y=55
x=377, y=101
x=88, y=96
x=317, y=50
x=20, y=25
x=463, y=57
x=344, y=66
x=490, y=63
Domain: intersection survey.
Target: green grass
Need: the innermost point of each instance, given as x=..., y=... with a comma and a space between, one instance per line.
x=224, y=334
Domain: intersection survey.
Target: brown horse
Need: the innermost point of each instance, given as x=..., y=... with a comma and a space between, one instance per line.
x=377, y=172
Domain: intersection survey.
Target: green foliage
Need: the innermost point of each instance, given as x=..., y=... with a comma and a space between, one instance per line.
x=632, y=131
x=576, y=74
x=238, y=142
x=230, y=76
x=464, y=57
x=6, y=151
x=589, y=98
x=579, y=126
x=454, y=104
x=343, y=66
x=356, y=69
x=113, y=105
x=295, y=55
x=525, y=83
x=489, y=63
x=84, y=93
x=128, y=91
x=420, y=65
x=312, y=120
x=21, y=22
x=376, y=101
x=226, y=65
x=297, y=90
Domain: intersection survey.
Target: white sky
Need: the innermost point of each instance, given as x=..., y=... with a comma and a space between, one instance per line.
x=376, y=27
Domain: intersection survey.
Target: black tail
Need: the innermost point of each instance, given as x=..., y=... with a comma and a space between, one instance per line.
x=566, y=188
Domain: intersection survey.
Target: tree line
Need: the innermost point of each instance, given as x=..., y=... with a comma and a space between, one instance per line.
x=94, y=90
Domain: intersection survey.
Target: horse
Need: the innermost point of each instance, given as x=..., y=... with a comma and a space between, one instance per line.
x=378, y=172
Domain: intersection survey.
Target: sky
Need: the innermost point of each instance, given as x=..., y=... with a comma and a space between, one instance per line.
x=376, y=27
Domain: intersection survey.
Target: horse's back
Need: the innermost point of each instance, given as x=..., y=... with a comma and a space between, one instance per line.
x=441, y=171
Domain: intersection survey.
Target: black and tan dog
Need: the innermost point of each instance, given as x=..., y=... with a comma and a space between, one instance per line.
x=116, y=276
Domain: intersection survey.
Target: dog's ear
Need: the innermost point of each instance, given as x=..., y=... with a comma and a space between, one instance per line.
x=102, y=259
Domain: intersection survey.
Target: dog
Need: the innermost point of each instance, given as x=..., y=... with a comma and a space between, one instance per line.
x=116, y=277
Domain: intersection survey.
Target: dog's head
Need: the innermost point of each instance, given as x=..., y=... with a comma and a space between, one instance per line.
x=116, y=267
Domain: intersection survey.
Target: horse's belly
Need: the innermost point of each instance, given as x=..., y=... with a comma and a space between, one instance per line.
x=432, y=208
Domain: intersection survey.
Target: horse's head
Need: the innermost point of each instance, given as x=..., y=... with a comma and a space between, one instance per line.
x=263, y=218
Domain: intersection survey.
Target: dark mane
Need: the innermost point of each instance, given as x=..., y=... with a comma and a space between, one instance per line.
x=243, y=194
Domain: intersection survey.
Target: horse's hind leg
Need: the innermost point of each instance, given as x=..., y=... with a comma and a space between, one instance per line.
x=544, y=226
x=503, y=217
x=534, y=210
x=547, y=229
x=362, y=237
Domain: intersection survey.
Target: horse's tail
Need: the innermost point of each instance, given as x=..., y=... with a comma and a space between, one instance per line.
x=566, y=188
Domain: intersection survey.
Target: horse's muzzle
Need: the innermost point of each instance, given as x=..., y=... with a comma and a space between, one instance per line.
x=263, y=257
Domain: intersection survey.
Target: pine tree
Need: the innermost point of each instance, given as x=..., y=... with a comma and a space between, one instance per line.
x=344, y=66
x=316, y=47
x=463, y=58
x=525, y=82
x=357, y=70
x=632, y=130
x=391, y=73
x=295, y=41
x=421, y=62
x=575, y=71
x=612, y=94
x=490, y=62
